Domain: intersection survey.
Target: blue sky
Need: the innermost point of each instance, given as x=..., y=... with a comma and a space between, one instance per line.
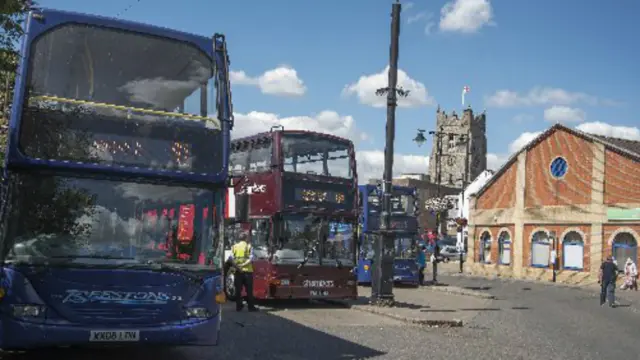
x=528, y=63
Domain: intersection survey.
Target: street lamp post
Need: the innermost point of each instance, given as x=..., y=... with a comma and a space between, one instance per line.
x=444, y=205
x=382, y=281
x=465, y=182
x=554, y=254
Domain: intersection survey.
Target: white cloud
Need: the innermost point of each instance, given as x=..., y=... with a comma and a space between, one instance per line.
x=522, y=140
x=520, y=118
x=604, y=129
x=326, y=121
x=416, y=17
x=371, y=164
x=540, y=96
x=428, y=28
x=494, y=161
x=564, y=114
x=281, y=81
x=466, y=16
x=365, y=89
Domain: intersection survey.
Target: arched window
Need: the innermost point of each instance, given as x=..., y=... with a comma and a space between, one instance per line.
x=540, y=249
x=485, y=247
x=573, y=251
x=504, y=246
x=625, y=246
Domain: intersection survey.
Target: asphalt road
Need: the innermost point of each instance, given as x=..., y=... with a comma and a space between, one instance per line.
x=526, y=321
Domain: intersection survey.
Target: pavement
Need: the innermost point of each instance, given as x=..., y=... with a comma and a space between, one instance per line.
x=517, y=320
x=451, y=269
x=447, y=307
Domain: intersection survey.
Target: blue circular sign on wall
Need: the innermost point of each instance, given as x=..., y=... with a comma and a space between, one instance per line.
x=559, y=167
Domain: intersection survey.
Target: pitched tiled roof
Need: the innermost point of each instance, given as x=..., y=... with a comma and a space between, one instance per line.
x=628, y=145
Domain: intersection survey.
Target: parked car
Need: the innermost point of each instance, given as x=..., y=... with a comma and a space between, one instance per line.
x=448, y=251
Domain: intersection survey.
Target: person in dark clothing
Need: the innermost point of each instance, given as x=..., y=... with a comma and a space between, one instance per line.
x=422, y=263
x=608, y=275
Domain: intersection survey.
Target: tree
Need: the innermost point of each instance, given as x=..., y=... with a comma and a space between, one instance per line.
x=12, y=15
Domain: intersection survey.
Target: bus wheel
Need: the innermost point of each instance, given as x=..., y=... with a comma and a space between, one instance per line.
x=230, y=287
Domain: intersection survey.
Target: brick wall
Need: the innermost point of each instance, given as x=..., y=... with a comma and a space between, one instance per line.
x=495, y=231
x=560, y=229
x=621, y=179
x=575, y=188
x=501, y=194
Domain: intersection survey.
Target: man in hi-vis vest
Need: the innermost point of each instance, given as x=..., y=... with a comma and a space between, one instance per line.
x=242, y=259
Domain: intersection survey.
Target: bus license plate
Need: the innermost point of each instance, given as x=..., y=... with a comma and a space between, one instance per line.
x=319, y=293
x=114, y=336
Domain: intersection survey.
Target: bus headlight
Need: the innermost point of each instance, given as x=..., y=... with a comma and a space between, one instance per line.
x=24, y=311
x=200, y=313
x=221, y=298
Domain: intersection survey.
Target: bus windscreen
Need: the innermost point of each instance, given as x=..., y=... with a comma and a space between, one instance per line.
x=122, y=99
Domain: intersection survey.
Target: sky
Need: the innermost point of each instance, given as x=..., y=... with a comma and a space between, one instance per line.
x=316, y=65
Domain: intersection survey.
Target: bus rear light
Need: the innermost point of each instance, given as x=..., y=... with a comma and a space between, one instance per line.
x=28, y=311
x=199, y=313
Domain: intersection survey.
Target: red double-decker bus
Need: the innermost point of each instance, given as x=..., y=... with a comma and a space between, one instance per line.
x=296, y=194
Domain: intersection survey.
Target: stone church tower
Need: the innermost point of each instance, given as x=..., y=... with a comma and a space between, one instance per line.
x=452, y=161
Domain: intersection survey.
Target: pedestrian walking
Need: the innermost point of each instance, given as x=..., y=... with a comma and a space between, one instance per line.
x=242, y=261
x=607, y=279
x=421, y=259
x=630, y=276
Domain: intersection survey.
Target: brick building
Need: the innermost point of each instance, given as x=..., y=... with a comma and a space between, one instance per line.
x=581, y=189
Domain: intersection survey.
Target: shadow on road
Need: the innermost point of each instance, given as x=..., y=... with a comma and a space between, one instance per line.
x=244, y=335
x=155, y=353
x=474, y=309
x=477, y=288
x=268, y=336
x=280, y=305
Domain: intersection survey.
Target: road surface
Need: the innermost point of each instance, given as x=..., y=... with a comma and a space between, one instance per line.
x=526, y=321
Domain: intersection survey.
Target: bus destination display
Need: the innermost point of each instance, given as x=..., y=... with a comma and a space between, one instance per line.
x=319, y=196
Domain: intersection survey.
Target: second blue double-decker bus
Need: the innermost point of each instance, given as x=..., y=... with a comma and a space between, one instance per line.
x=404, y=221
x=114, y=185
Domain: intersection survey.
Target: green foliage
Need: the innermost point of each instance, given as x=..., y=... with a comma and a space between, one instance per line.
x=54, y=207
x=12, y=15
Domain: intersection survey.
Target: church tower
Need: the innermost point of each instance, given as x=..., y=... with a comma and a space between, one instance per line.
x=454, y=146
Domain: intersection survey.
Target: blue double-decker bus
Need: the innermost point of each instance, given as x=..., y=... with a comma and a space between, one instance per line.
x=113, y=186
x=404, y=221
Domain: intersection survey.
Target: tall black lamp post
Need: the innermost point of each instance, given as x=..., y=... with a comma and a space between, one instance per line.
x=382, y=280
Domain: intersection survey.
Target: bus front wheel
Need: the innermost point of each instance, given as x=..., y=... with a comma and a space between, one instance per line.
x=230, y=287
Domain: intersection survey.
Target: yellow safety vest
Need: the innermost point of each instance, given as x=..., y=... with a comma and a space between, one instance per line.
x=241, y=252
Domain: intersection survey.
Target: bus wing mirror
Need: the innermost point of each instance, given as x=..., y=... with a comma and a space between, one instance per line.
x=242, y=208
